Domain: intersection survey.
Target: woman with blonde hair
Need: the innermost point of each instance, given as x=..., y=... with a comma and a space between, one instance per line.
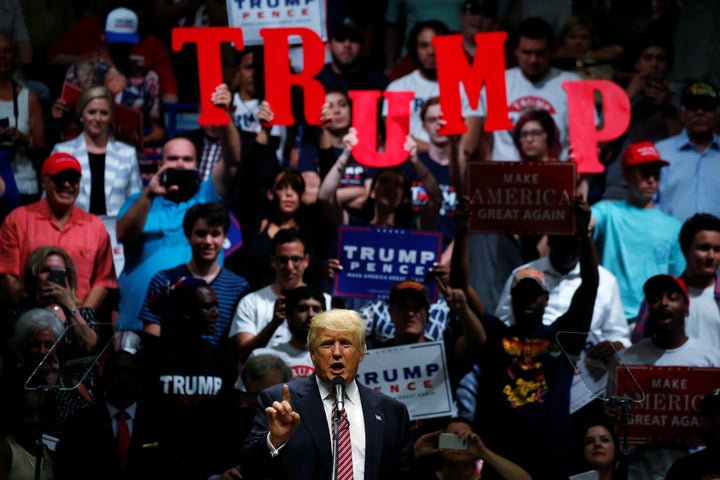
x=110, y=171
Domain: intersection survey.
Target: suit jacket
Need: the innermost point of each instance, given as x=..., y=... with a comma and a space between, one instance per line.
x=307, y=455
x=122, y=172
x=87, y=449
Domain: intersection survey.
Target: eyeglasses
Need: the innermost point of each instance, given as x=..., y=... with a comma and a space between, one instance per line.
x=693, y=106
x=532, y=134
x=283, y=260
x=61, y=178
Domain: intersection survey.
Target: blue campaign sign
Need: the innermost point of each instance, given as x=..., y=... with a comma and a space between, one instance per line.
x=374, y=259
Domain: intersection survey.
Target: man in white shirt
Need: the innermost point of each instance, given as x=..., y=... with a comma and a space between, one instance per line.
x=533, y=84
x=259, y=319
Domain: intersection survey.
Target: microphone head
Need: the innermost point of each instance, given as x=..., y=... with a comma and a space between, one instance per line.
x=338, y=381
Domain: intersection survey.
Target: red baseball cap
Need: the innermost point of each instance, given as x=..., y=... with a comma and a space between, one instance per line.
x=59, y=162
x=665, y=283
x=641, y=153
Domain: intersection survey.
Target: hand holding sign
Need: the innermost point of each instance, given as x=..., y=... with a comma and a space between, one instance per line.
x=410, y=147
x=222, y=97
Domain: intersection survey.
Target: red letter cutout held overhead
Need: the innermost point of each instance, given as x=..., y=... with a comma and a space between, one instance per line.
x=397, y=127
x=279, y=76
x=488, y=68
x=584, y=136
x=208, y=40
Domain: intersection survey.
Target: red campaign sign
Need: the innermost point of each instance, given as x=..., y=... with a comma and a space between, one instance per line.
x=70, y=94
x=127, y=125
x=522, y=197
x=670, y=413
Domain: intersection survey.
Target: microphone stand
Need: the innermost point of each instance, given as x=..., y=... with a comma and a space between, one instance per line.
x=623, y=404
x=335, y=438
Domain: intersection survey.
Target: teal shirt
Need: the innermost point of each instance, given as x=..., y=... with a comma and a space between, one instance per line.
x=636, y=244
x=161, y=245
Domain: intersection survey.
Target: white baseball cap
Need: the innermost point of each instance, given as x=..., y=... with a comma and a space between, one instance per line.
x=121, y=26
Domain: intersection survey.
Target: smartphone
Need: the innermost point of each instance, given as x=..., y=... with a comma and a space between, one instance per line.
x=58, y=275
x=173, y=176
x=4, y=122
x=451, y=441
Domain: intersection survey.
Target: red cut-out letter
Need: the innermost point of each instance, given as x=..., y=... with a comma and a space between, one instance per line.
x=397, y=127
x=584, y=136
x=488, y=68
x=208, y=40
x=279, y=76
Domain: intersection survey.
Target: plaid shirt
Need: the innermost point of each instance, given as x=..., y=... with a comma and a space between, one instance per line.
x=212, y=151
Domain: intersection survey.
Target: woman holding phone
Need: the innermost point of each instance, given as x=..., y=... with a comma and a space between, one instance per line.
x=22, y=125
x=49, y=281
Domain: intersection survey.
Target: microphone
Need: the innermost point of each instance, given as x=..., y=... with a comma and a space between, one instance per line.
x=339, y=385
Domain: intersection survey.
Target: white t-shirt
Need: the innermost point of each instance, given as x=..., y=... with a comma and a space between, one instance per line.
x=522, y=94
x=608, y=322
x=255, y=310
x=298, y=360
x=425, y=89
x=704, y=319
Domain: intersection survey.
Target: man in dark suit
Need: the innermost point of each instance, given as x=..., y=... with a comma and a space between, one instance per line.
x=89, y=447
x=281, y=446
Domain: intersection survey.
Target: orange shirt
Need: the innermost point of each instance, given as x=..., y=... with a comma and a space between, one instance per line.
x=83, y=237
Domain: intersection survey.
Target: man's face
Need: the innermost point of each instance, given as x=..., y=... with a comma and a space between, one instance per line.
x=431, y=124
x=206, y=309
x=409, y=314
x=472, y=23
x=652, y=60
x=336, y=353
x=289, y=263
x=426, y=51
x=528, y=304
x=699, y=117
x=62, y=189
x=533, y=56
x=344, y=52
x=703, y=256
x=643, y=180
x=179, y=153
x=300, y=318
x=667, y=311
x=206, y=241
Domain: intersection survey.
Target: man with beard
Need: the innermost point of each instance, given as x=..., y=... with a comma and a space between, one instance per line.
x=302, y=304
x=700, y=244
x=347, y=69
x=668, y=305
x=691, y=182
x=150, y=223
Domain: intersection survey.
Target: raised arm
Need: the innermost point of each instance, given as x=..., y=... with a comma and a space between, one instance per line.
x=579, y=314
x=224, y=172
x=327, y=195
x=431, y=211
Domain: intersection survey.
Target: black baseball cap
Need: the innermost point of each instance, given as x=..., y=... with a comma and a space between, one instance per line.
x=486, y=8
x=346, y=28
x=700, y=95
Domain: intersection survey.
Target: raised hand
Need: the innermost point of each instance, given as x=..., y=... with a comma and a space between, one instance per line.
x=282, y=419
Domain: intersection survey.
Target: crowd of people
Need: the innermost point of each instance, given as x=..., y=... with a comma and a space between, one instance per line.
x=166, y=294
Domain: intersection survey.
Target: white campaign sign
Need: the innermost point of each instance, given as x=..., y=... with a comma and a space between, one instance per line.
x=413, y=374
x=252, y=15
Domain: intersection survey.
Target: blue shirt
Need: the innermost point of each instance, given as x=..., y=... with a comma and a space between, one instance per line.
x=691, y=183
x=636, y=244
x=227, y=286
x=160, y=245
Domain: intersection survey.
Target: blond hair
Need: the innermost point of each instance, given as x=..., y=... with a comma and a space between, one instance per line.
x=341, y=320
